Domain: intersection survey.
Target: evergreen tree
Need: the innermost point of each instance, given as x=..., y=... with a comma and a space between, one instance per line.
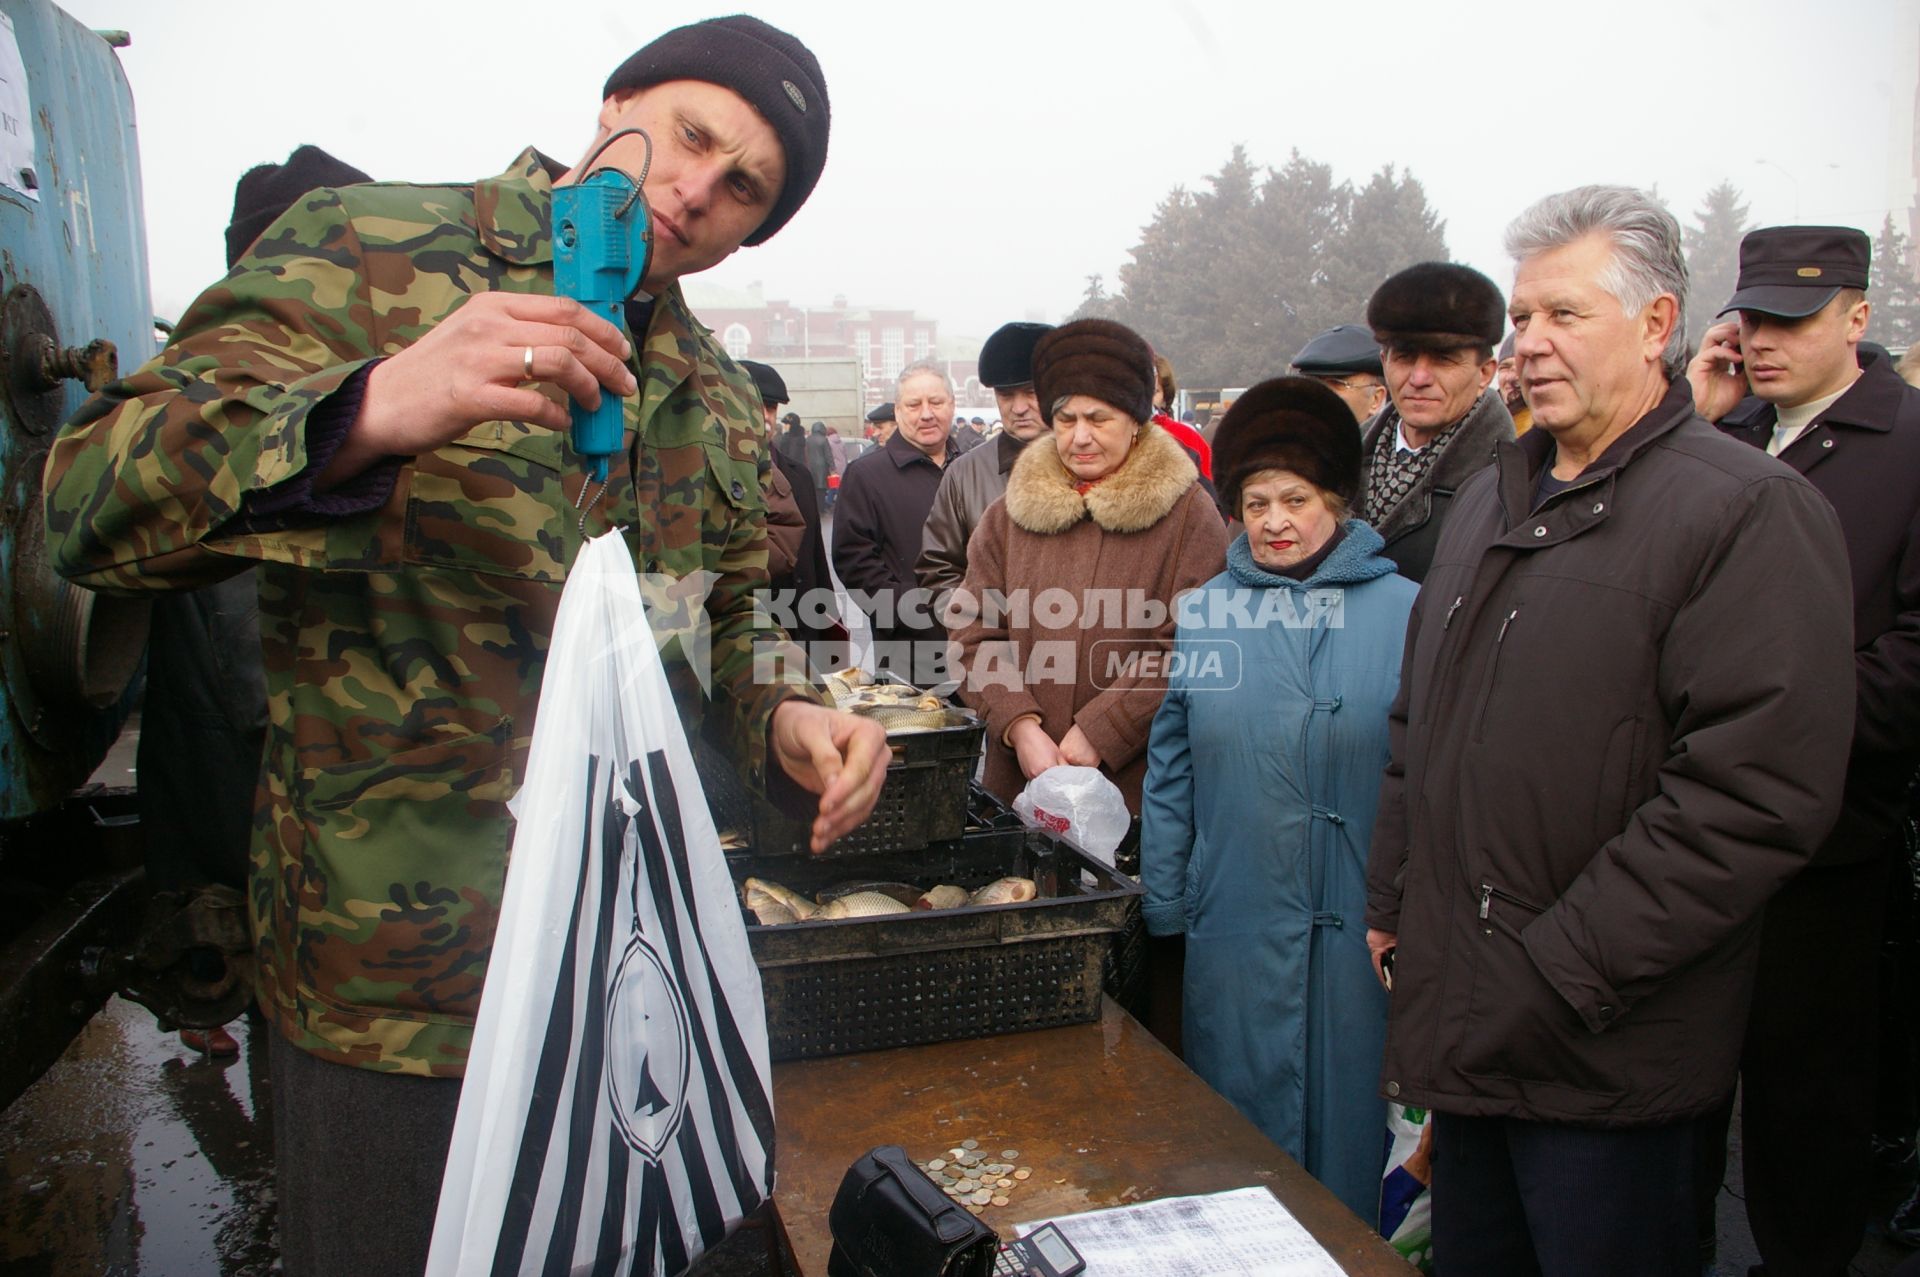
x=1713, y=257
x=1096, y=302
x=1231, y=280
x=1896, y=299
x=1389, y=227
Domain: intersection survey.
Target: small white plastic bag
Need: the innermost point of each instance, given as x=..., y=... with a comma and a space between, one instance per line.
x=1079, y=804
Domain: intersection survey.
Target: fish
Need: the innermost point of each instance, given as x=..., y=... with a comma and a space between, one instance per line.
x=771, y=913
x=905, y=892
x=861, y=904
x=945, y=896
x=898, y=718
x=757, y=893
x=1006, y=891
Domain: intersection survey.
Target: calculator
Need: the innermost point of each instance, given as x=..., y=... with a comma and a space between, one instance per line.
x=1044, y=1252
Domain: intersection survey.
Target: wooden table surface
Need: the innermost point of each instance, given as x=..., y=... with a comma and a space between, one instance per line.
x=1102, y=1112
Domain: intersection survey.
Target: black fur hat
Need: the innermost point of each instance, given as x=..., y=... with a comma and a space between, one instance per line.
x=1288, y=423
x=1437, y=306
x=268, y=190
x=1007, y=358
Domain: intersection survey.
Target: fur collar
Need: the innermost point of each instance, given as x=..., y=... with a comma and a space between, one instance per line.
x=1146, y=487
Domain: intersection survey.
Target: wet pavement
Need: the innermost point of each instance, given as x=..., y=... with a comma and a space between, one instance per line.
x=134, y=1155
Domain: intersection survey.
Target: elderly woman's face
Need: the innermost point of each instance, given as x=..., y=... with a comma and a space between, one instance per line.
x=1287, y=519
x=1092, y=435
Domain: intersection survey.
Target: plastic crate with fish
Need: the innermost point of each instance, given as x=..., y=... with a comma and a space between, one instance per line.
x=935, y=747
x=1012, y=932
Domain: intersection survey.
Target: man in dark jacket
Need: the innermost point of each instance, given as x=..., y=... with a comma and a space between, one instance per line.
x=978, y=479
x=792, y=443
x=1621, y=726
x=1807, y=1072
x=1437, y=325
x=820, y=459
x=879, y=521
x=800, y=585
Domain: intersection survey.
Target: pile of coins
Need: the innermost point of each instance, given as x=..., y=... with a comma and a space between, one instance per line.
x=971, y=1178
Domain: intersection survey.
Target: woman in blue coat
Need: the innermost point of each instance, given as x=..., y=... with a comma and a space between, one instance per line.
x=1263, y=776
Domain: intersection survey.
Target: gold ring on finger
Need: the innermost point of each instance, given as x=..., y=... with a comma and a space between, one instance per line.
x=526, y=362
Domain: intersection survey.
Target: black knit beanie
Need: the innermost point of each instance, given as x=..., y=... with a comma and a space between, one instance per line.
x=268, y=190
x=1095, y=357
x=773, y=71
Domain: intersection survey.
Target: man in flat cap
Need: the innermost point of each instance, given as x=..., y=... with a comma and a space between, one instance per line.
x=881, y=424
x=1436, y=324
x=1807, y=1070
x=978, y=479
x=1346, y=360
x=966, y=436
x=373, y=405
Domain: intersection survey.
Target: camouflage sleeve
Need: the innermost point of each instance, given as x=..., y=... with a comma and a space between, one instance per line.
x=143, y=484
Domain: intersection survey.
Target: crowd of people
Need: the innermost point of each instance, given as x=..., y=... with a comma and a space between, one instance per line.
x=1520, y=725
x=1518, y=696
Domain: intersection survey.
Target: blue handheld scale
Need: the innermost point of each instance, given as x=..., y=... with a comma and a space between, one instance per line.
x=602, y=241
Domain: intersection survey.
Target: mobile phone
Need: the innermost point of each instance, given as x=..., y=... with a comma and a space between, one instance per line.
x=1386, y=967
x=1044, y=1252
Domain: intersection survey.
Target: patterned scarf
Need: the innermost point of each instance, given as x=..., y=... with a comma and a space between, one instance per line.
x=1393, y=473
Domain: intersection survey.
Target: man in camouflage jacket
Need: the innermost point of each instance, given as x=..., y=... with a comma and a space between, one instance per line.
x=372, y=406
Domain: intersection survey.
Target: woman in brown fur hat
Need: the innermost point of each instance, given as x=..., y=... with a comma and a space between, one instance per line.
x=1065, y=620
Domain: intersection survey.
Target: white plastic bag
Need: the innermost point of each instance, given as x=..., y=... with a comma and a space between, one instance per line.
x=1406, y=1205
x=1081, y=805
x=617, y=1115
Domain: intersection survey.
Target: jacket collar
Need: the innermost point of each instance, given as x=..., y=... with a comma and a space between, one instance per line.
x=903, y=453
x=1521, y=460
x=513, y=212
x=1007, y=450
x=1157, y=472
x=1356, y=559
x=1872, y=402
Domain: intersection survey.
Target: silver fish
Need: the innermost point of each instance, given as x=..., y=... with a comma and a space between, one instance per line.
x=1006, y=891
x=861, y=904
x=905, y=893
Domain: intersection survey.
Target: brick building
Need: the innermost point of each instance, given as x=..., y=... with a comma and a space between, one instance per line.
x=881, y=341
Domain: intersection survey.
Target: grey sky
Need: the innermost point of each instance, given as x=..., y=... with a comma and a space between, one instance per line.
x=987, y=157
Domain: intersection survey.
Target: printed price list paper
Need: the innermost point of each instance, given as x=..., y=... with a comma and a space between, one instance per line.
x=1241, y=1231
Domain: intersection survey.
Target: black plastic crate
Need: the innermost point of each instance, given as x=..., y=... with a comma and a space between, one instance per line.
x=924, y=799
x=862, y=984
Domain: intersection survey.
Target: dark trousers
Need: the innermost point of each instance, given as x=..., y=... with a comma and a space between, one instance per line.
x=1514, y=1198
x=357, y=1157
x=1807, y=1073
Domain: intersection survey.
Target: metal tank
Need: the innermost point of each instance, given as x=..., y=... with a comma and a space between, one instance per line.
x=73, y=299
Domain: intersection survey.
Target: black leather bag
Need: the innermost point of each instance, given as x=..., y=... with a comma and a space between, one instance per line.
x=890, y=1220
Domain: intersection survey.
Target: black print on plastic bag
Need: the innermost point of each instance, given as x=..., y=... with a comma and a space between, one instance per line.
x=640, y=1096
